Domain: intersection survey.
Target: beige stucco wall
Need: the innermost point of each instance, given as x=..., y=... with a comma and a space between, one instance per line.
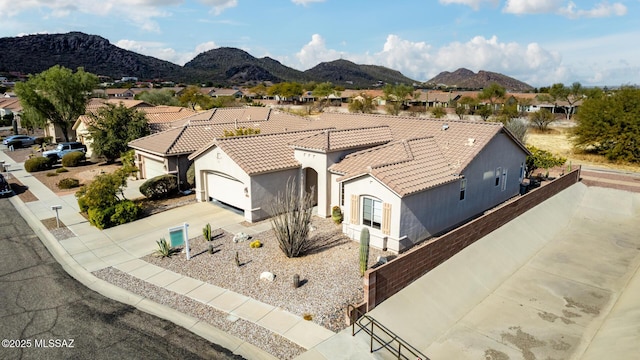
x=371, y=187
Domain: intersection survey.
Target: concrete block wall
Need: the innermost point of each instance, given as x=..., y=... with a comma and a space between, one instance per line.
x=384, y=281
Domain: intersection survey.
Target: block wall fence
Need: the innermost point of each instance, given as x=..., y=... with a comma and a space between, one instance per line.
x=382, y=282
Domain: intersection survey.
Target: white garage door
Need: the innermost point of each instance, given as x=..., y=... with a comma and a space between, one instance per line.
x=153, y=168
x=226, y=189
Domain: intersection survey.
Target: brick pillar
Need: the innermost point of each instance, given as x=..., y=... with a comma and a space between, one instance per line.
x=370, y=289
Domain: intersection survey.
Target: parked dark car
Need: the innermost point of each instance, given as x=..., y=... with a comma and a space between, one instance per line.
x=19, y=140
x=5, y=188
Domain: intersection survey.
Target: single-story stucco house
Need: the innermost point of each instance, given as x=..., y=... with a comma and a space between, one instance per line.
x=167, y=152
x=406, y=179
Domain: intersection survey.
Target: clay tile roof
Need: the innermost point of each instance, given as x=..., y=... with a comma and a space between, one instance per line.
x=179, y=140
x=331, y=140
x=406, y=167
x=262, y=153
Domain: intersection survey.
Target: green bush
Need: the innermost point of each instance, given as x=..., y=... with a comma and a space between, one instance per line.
x=73, y=159
x=39, y=163
x=101, y=218
x=191, y=175
x=161, y=186
x=68, y=183
x=82, y=203
x=125, y=211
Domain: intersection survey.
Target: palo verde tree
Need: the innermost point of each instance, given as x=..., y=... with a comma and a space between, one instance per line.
x=287, y=91
x=569, y=94
x=541, y=119
x=493, y=93
x=362, y=103
x=193, y=98
x=113, y=127
x=609, y=124
x=322, y=92
x=159, y=97
x=58, y=95
x=395, y=96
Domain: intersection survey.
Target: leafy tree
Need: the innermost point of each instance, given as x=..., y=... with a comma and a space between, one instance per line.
x=438, y=112
x=241, y=132
x=466, y=105
x=105, y=191
x=285, y=90
x=323, y=91
x=493, y=93
x=362, y=104
x=542, y=159
x=484, y=111
x=610, y=124
x=193, y=98
x=259, y=90
x=570, y=94
x=159, y=97
x=32, y=119
x=222, y=101
x=508, y=112
x=58, y=95
x=113, y=127
x=396, y=96
x=541, y=119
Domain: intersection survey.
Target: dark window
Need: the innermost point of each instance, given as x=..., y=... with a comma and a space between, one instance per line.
x=463, y=188
x=371, y=213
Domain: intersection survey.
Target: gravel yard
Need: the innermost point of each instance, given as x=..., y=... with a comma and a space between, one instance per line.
x=329, y=278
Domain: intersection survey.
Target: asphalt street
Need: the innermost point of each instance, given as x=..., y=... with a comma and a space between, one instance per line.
x=46, y=314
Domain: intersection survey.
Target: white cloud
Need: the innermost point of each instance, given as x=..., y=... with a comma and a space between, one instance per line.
x=530, y=63
x=305, y=2
x=474, y=4
x=160, y=51
x=561, y=7
x=315, y=52
x=220, y=5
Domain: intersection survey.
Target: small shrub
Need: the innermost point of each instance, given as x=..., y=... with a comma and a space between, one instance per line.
x=52, y=173
x=101, y=218
x=191, y=175
x=164, y=248
x=68, y=183
x=62, y=170
x=125, y=211
x=307, y=316
x=38, y=163
x=255, y=244
x=73, y=159
x=161, y=186
x=336, y=215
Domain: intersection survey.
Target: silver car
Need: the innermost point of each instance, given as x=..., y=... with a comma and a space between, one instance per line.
x=23, y=140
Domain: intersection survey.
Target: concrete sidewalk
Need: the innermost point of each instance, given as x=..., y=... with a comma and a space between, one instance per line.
x=122, y=247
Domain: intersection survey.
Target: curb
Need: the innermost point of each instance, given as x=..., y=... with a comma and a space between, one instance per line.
x=196, y=326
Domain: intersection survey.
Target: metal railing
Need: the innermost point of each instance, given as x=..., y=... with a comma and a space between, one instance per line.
x=358, y=317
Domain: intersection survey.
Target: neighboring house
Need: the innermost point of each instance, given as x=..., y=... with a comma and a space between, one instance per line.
x=220, y=92
x=406, y=179
x=167, y=152
x=119, y=93
x=80, y=128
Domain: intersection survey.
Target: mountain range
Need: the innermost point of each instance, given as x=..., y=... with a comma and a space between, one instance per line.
x=224, y=66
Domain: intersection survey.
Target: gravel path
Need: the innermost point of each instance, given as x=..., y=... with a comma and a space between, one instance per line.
x=329, y=277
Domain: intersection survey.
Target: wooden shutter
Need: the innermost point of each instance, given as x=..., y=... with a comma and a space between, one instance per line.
x=354, y=209
x=386, y=218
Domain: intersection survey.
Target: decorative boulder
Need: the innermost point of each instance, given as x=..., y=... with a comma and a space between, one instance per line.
x=240, y=237
x=267, y=276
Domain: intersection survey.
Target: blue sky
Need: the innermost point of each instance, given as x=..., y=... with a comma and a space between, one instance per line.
x=540, y=42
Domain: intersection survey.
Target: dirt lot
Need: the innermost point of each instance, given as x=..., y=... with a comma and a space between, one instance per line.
x=557, y=140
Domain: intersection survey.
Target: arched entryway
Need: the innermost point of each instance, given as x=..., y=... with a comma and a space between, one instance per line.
x=311, y=183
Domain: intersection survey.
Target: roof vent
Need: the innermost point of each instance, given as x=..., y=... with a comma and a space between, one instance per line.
x=471, y=141
x=445, y=127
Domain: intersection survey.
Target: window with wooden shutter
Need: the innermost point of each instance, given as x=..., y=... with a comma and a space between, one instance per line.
x=354, y=209
x=386, y=218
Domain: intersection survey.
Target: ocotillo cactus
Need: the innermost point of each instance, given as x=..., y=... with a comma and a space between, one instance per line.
x=364, y=250
x=206, y=231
